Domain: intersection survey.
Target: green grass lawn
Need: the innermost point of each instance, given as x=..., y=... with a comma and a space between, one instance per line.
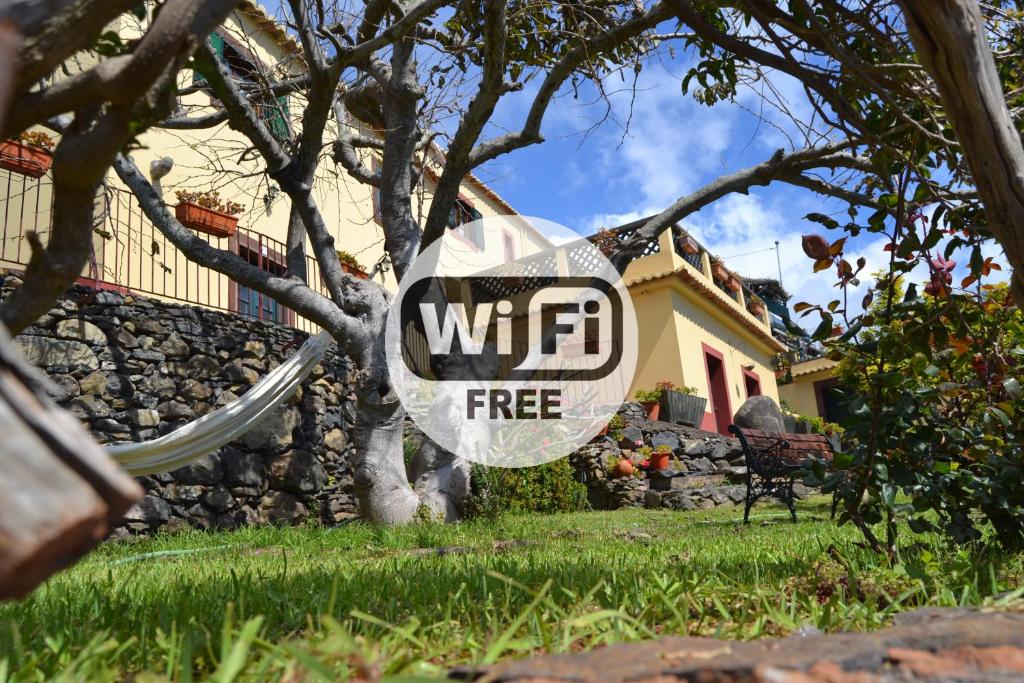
x=312, y=603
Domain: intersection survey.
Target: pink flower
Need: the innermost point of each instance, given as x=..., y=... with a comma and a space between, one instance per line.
x=940, y=264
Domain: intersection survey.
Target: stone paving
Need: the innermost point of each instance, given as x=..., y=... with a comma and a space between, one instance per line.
x=927, y=646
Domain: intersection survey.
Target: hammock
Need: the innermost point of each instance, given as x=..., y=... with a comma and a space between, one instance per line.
x=205, y=435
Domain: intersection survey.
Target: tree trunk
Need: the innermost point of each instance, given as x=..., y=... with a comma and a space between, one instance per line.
x=385, y=495
x=441, y=480
x=952, y=44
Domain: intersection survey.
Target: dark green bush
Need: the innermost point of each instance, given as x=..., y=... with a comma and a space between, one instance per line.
x=546, y=488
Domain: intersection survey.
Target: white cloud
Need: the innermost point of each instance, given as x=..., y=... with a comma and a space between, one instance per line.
x=743, y=229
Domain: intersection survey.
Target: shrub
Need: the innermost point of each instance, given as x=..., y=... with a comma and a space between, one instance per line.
x=934, y=393
x=547, y=488
x=37, y=139
x=647, y=395
x=654, y=395
x=349, y=259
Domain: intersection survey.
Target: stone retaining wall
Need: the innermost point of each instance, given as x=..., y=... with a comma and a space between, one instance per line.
x=133, y=368
x=714, y=466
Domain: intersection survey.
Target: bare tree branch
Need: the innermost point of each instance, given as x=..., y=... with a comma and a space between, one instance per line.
x=87, y=147
x=556, y=77
x=124, y=79
x=289, y=291
x=56, y=29
x=478, y=113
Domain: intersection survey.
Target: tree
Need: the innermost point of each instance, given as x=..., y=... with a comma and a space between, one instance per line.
x=111, y=103
x=366, y=87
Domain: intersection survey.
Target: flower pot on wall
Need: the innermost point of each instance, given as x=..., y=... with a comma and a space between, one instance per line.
x=733, y=284
x=653, y=409
x=623, y=468
x=688, y=245
x=659, y=461
x=719, y=272
x=353, y=270
x=682, y=408
x=24, y=159
x=205, y=220
x=756, y=309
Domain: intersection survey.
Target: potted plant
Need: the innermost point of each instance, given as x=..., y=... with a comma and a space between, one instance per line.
x=28, y=154
x=718, y=270
x=687, y=244
x=659, y=459
x=648, y=398
x=207, y=212
x=755, y=305
x=350, y=264
x=733, y=284
x=614, y=425
x=621, y=467
x=682, y=406
x=645, y=456
x=606, y=240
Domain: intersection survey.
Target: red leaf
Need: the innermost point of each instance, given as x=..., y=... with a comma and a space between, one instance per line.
x=815, y=246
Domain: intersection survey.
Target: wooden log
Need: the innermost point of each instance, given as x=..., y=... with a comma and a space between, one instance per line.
x=952, y=44
x=60, y=493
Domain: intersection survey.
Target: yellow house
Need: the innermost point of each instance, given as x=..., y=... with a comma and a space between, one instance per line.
x=698, y=331
x=812, y=391
x=130, y=254
x=695, y=330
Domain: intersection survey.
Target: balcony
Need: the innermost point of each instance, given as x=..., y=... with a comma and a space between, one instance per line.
x=676, y=254
x=131, y=256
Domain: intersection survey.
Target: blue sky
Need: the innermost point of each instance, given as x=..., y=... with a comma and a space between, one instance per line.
x=673, y=145
x=593, y=171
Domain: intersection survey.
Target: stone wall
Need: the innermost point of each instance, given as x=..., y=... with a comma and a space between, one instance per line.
x=713, y=466
x=133, y=369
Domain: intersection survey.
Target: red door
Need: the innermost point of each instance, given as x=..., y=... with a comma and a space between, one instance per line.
x=718, y=388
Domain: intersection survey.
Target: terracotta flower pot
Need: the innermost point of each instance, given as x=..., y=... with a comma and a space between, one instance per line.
x=719, y=272
x=352, y=270
x=659, y=461
x=733, y=284
x=756, y=309
x=201, y=219
x=24, y=159
x=689, y=245
x=623, y=468
x=653, y=409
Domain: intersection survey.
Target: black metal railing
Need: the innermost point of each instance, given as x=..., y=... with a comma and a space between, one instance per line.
x=129, y=254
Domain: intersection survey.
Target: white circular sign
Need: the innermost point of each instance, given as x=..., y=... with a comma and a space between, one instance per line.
x=511, y=341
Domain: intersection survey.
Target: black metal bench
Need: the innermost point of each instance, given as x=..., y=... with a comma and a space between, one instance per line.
x=773, y=460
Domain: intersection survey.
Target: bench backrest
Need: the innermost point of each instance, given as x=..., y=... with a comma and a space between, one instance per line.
x=801, y=446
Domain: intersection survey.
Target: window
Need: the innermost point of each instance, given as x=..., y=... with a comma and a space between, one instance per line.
x=752, y=383
x=251, y=303
x=510, y=247
x=459, y=219
x=273, y=111
x=275, y=115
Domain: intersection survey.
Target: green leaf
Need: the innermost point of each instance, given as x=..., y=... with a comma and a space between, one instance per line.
x=824, y=330
x=827, y=221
